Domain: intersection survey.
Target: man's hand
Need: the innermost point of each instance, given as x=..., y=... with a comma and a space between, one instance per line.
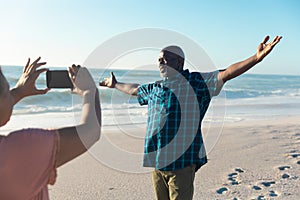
x=26, y=84
x=109, y=82
x=265, y=48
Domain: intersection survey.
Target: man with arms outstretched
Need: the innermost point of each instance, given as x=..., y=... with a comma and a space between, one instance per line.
x=176, y=107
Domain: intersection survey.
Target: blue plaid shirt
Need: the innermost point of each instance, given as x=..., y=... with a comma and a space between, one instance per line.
x=175, y=111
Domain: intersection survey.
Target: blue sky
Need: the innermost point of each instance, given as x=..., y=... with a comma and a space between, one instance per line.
x=66, y=32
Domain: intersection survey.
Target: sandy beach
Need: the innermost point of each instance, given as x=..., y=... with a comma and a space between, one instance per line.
x=251, y=159
x=251, y=134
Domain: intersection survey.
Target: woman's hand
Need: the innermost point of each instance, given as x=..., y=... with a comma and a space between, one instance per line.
x=26, y=84
x=81, y=79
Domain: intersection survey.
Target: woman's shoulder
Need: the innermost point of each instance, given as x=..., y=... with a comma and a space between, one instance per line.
x=33, y=131
x=30, y=137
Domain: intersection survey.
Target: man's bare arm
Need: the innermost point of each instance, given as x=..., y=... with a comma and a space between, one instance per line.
x=239, y=68
x=128, y=88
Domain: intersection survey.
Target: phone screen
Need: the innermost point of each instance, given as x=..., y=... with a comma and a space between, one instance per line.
x=58, y=79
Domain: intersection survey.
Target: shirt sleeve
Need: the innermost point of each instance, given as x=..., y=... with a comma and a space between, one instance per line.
x=143, y=93
x=213, y=84
x=30, y=160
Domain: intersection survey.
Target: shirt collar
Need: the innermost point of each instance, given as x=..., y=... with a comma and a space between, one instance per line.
x=177, y=77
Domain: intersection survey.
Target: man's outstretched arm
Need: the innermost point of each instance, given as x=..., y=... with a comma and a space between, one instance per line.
x=239, y=68
x=128, y=88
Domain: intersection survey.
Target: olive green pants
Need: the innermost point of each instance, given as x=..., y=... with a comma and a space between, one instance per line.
x=174, y=185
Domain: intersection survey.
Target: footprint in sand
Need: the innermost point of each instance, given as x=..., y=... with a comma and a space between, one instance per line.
x=293, y=151
x=297, y=135
x=296, y=155
x=239, y=170
x=293, y=154
x=222, y=190
x=233, y=177
x=233, y=180
x=268, y=183
x=282, y=168
x=256, y=187
x=273, y=193
x=275, y=131
x=260, y=197
x=284, y=176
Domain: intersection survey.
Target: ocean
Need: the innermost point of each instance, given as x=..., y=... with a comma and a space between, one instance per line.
x=250, y=96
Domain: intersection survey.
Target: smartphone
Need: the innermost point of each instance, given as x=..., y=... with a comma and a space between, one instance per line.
x=58, y=79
